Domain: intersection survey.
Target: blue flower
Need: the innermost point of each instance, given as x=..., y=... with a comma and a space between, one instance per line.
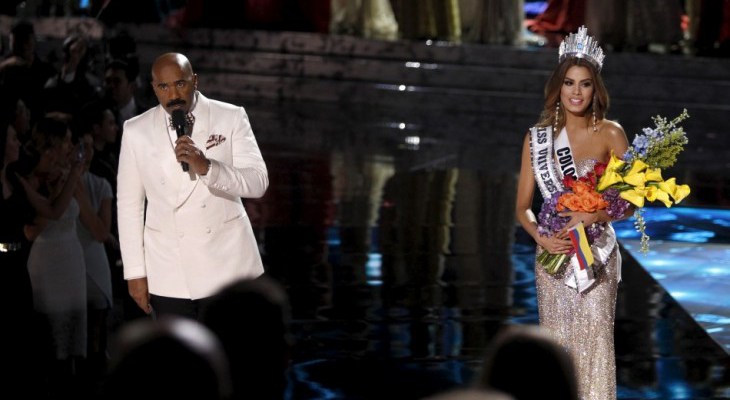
x=640, y=143
x=653, y=133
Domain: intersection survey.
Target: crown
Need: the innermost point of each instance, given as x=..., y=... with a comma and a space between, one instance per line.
x=582, y=46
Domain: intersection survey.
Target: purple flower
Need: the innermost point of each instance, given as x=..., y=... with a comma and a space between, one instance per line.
x=548, y=221
x=616, y=205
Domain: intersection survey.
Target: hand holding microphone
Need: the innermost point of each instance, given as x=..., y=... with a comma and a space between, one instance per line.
x=185, y=149
x=179, y=122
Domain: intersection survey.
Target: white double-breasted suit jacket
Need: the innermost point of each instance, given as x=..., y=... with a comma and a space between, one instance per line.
x=193, y=236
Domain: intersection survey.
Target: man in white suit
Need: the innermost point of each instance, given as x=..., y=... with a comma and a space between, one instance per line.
x=193, y=236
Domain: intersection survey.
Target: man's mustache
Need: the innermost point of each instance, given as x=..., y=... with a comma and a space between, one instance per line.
x=176, y=102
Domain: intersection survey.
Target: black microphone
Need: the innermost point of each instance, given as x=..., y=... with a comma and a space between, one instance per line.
x=179, y=122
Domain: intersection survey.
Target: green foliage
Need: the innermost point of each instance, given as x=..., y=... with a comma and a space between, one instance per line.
x=663, y=149
x=658, y=147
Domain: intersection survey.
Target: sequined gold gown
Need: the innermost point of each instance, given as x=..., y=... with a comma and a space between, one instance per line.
x=583, y=323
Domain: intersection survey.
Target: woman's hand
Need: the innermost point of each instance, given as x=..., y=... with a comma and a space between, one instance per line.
x=586, y=218
x=556, y=244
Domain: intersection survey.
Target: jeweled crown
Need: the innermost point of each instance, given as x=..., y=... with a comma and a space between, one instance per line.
x=581, y=45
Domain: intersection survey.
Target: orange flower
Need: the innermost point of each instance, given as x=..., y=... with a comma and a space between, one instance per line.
x=583, y=199
x=581, y=188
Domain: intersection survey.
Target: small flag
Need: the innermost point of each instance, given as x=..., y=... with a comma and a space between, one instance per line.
x=582, y=249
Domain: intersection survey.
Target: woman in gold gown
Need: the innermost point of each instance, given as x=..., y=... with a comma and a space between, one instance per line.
x=572, y=135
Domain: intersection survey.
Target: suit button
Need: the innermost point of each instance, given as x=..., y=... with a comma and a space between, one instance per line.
x=182, y=235
x=202, y=206
x=207, y=230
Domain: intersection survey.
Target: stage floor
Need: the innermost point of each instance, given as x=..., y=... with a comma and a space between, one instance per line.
x=690, y=258
x=376, y=338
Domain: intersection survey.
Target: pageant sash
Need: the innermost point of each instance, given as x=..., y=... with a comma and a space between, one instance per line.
x=564, y=155
x=543, y=167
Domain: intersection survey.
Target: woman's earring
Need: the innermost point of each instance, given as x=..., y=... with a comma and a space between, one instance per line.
x=595, y=123
x=557, y=117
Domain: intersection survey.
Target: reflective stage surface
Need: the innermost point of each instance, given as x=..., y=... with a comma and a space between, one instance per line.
x=363, y=337
x=399, y=277
x=684, y=303
x=690, y=259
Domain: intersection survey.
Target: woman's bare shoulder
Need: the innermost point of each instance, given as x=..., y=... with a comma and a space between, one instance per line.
x=614, y=136
x=612, y=128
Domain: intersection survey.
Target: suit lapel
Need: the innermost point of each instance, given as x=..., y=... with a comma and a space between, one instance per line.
x=164, y=163
x=202, y=122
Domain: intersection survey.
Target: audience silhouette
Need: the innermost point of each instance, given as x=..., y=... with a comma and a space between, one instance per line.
x=470, y=394
x=172, y=357
x=526, y=363
x=251, y=319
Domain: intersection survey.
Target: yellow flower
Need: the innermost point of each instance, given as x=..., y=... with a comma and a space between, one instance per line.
x=654, y=193
x=614, y=163
x=610, y=176
x=607, y=179
x=678, y=192
x=640, y=173
x=653, y=174
x=634, y=196
x=636, y=167
x=650, y=193
x=635, y=179
x=681, y=192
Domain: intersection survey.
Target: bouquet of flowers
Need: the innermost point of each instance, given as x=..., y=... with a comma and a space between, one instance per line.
x=615, y=186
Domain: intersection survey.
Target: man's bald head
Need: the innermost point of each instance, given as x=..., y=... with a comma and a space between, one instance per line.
x=174, y=81
x=172, y=60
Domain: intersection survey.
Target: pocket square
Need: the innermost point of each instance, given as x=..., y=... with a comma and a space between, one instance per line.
x=214, y=140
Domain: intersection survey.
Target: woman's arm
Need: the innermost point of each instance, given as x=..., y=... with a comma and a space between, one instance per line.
x=523, y=207
x=98, y=222
x=55, y=207
x=525, y=192
x=32, y=231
